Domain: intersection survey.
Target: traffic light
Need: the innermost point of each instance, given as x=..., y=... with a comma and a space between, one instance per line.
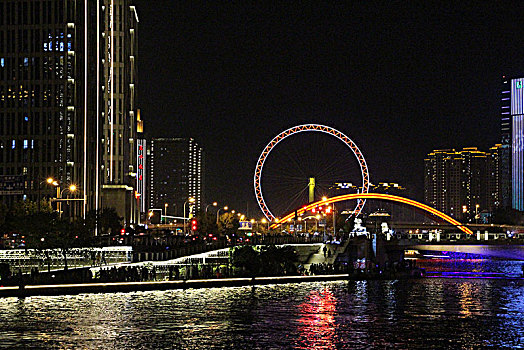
x=194, y=225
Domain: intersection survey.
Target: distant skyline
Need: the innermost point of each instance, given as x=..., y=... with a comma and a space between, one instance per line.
x=400, y=80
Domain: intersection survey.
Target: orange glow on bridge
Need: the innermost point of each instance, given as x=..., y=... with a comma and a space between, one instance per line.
x=381, y=196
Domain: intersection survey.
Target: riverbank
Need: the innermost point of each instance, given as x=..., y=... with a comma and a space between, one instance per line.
x=123, y=287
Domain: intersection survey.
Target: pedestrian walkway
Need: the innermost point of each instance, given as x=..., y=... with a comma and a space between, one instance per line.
x=326, y=254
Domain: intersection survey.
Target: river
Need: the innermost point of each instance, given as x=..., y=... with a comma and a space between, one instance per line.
x=428, y=313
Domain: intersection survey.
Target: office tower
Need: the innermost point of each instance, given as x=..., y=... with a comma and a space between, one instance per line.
x=67, y=75
x=176, y=174
x=512, y=112
x=117, y=56
x=494, y=177
x=457, y=183
x=141, y=176
x=505, y=151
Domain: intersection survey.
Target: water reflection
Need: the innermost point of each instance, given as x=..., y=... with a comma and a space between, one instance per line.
x=317, y=322
x=427, y=313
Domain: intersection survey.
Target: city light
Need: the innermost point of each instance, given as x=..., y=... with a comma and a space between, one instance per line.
x=384, y=197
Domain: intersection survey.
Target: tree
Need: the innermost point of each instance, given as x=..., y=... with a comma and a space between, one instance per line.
x=207, y=223
x=107, y=221
x=277, y=260
x=269, y=261
x=246, y=257
x=24, y=218
x=43, y=229
x=228, y=223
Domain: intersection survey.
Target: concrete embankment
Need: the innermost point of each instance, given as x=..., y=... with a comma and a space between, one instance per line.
x=122, y=287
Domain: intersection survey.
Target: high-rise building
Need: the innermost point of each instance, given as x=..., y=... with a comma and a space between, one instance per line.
x=141, y=175
x=505, y=150
x=458, y=183
x=176, y=174
x=512, y=112
x=494, y=177
x=118, y=44
x=67, y=110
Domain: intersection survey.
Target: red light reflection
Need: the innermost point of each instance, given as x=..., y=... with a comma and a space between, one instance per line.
x=317, y=323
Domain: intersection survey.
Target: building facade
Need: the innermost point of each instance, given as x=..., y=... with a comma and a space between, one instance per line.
x=512, y=112
x=176, y=174
x=506, y=144
x=67, y=110
x=117, y=75
x=460, y=183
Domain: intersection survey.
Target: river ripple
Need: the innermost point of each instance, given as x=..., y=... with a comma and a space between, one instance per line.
x=417, y=314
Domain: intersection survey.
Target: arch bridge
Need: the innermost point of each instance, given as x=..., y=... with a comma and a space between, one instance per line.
x=379, y=196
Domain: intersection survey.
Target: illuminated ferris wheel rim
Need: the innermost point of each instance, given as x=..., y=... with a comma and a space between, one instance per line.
x=303, y=128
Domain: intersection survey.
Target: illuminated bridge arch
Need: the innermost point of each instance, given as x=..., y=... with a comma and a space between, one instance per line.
x=381, y=196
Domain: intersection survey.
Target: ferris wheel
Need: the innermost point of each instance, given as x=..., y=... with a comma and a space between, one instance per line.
x=332, y=134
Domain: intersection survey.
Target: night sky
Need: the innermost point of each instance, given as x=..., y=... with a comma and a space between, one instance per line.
x=400, y=80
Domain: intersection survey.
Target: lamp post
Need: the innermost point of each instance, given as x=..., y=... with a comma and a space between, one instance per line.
x=334, y=223
x=476, y=212
x=165, y=212
x=71, y=189
x=49, y=181
x=190, y=200
x=213, y=204
x=300, y=220
x=264, y=221
x=149, y=215
x=218, y=212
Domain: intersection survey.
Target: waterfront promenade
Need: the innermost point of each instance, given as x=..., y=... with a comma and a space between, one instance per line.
x=115, y=287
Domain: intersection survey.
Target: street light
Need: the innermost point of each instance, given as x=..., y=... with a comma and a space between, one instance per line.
x=190, y=200
x=264, y=221
x=165, y=212
x=71, y=189
x=49, y=181
x=218, y=212
x=214, y=204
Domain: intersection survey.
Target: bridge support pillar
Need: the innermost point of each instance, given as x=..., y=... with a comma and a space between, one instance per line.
x=438, y=235
x=478, y=235
x=486, y=235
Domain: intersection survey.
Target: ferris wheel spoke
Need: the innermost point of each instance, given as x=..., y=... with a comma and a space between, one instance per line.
x=292, y=201
x=312, y=153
